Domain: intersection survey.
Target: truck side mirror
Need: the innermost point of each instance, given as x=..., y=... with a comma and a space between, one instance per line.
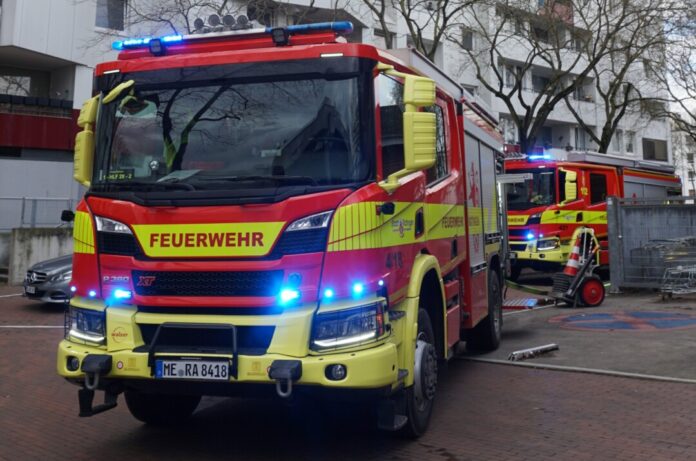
x=570, y=186
x=84, y=142
x=67, y=216
x=420, y=128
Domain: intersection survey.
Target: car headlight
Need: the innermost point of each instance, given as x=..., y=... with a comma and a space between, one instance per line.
x=111, y=225
x=87, y=325
x=305, y=235
x=548, y=244
x=63, y=276
x=348, y=327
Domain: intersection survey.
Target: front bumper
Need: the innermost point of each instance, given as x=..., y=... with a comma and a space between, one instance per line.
x=527, y=254
x=371, y=368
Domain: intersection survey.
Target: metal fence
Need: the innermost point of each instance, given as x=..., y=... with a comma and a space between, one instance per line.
x=33, y=211
x=652, y=243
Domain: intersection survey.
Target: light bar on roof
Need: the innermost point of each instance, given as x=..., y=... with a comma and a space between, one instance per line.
x=345, y=27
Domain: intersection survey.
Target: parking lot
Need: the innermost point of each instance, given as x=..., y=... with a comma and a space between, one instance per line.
x=483, y=411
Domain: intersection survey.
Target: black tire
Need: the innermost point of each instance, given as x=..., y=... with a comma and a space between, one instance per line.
x=486, y=335
x=420, y=408
x=161, y=409
x=515, y=271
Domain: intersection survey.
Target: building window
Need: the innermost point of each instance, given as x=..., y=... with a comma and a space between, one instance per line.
x=691, y=175
x=654, y=149
x=540, y=34
x=467, y=39
x=440, y=169
x=690, y=158
x=512, y=75
x=111, y=14
x=598, y=188
x=16, y=85
x=630, y=136
x=539, y=83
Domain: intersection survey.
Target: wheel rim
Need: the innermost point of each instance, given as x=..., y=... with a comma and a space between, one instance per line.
x=425, y=374
x=592, y=292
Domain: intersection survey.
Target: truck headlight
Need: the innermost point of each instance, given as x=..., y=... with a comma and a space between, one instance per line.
x=87, y=325
x=548, y=244
x=348, y=327
x=111, y=225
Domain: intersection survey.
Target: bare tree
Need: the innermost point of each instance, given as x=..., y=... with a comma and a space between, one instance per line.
x=533, y=58
x=427, y=21
x=629, y=81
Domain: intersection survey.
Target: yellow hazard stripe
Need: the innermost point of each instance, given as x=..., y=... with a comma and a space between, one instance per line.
x=357, y=226
x=571, y=217
x=83, y=233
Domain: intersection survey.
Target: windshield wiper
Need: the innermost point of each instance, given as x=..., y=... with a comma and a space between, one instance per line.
x=147, y=184
x=276, y=179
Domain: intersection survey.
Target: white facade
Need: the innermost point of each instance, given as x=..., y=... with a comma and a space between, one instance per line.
x=685, y=160
x=48, y=50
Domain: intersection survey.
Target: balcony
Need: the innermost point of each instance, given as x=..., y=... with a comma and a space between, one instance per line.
x=37, y=123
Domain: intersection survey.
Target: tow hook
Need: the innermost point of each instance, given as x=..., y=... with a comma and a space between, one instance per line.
x=284, y=372
x=94, y=366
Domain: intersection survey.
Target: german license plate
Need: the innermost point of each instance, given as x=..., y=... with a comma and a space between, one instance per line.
x=30, y=290
x=208, y=370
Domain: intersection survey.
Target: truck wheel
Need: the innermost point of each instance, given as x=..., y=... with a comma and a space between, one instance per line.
x=515, y=271
x=160, y=409
x=486, y=335
x=419, y=398
x=592, y=291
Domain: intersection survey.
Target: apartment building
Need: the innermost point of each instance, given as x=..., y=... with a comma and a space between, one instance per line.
x=48, y=49
x=639, y=135
x=684, y=147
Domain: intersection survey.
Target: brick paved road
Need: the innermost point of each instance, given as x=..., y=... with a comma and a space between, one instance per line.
x=484, y=412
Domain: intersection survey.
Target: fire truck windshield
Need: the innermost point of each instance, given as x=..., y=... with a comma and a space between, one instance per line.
x=535, y=192
x=224, y=135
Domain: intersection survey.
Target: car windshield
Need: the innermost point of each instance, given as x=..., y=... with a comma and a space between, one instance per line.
x=215, y=134
x=535, y=192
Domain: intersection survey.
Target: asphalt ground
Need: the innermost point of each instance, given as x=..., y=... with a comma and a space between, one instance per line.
x=629, y=333
x=483, y=412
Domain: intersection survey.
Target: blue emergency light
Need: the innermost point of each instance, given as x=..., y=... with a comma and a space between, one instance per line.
x=142, y=42
x=539, y=157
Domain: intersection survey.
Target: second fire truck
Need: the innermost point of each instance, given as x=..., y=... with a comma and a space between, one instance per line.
x=563, y=198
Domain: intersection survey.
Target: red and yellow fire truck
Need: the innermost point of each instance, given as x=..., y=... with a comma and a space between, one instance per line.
x=561, y=199
x=278, y=210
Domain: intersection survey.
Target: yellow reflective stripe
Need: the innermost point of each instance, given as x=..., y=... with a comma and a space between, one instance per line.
x=83, y=233
x=517, y=220
x=475, y=220
x=445, y=220
x=571, y=216
x=358, y=226
x=214, y=239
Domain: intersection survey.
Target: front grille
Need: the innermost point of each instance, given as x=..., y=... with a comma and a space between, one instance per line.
x=305, y=241
x=251, y=340
x=117, y=244
x=518, y=246
x=521, y=233
x=36, y=277
x=208, y=283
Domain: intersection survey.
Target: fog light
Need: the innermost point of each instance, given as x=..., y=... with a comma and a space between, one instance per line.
x=73, y=363
x=336, y=372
